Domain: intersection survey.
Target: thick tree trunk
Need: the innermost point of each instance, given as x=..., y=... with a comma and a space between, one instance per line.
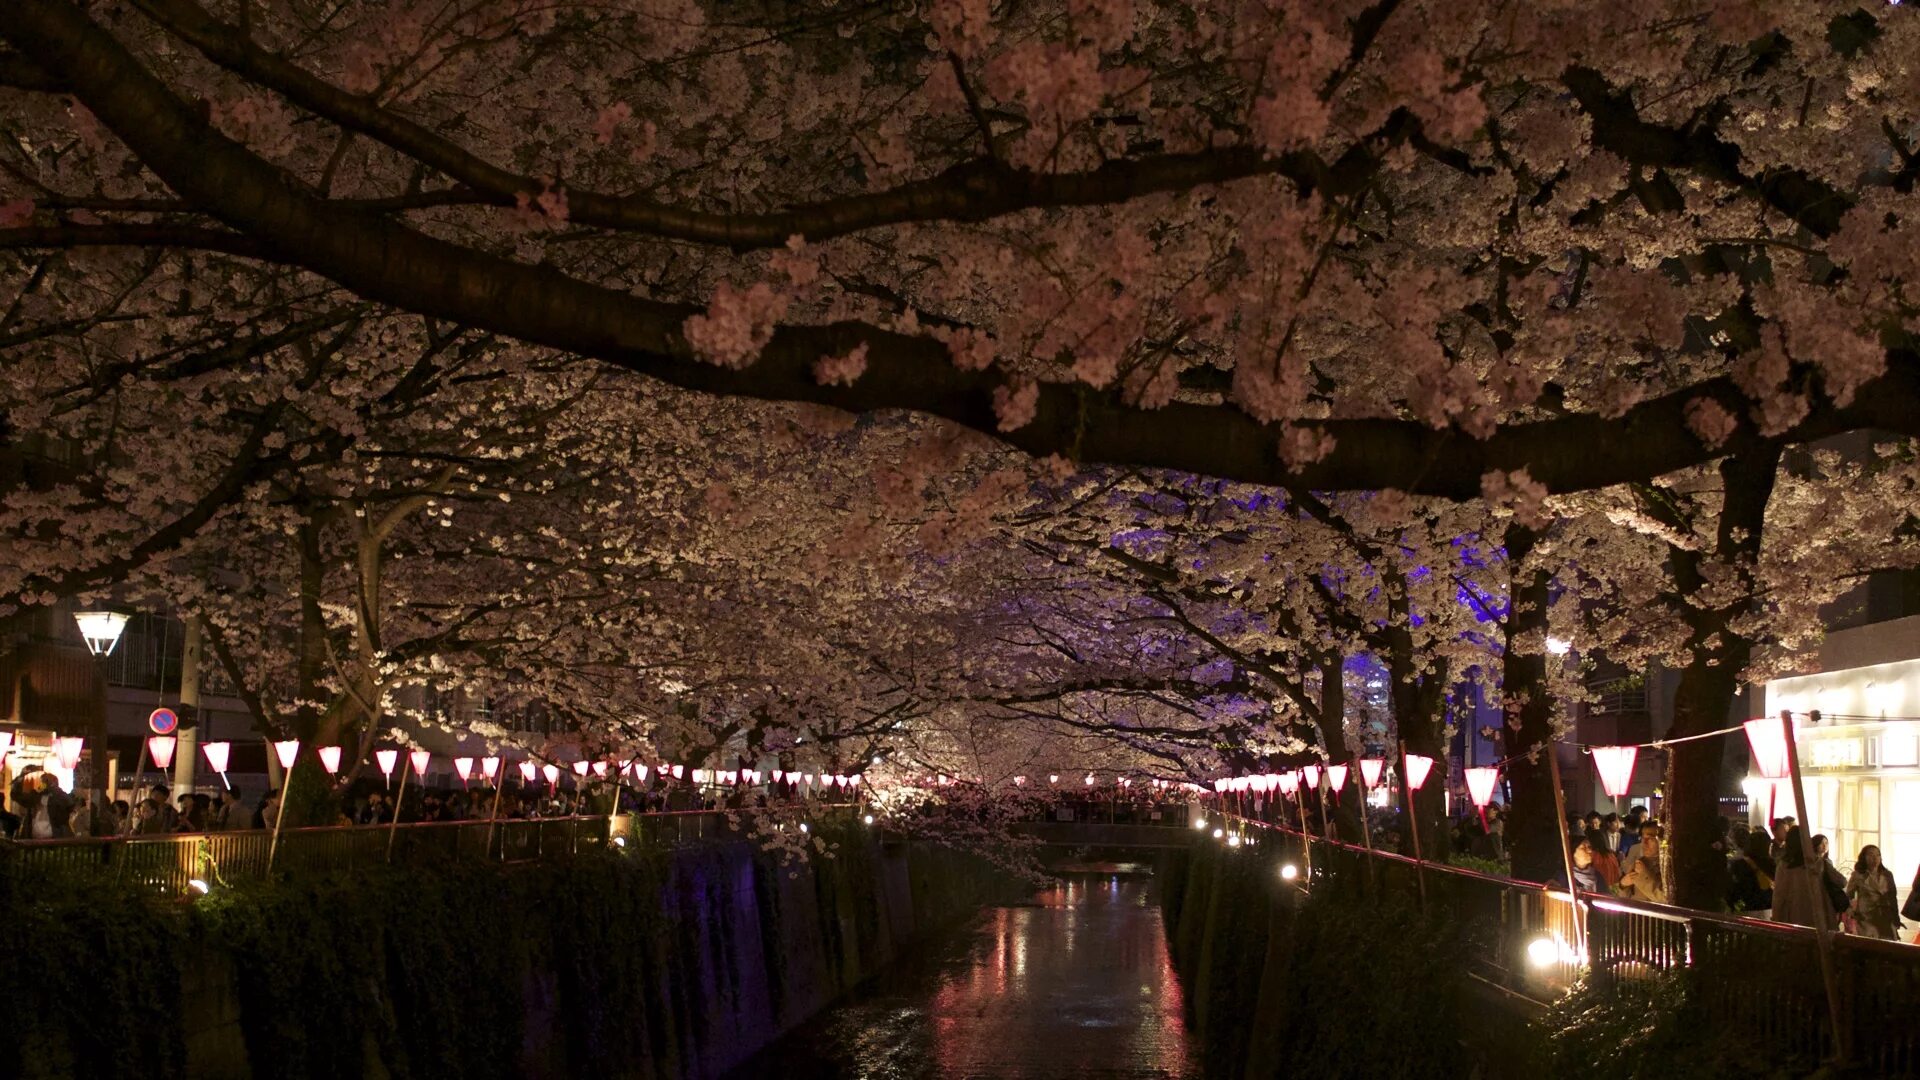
x=1698, y=871
x=1533, y=824
x=1717, y=658
x=1417, y=700
x=1344, y=810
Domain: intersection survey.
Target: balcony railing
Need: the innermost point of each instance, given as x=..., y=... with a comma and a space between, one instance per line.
x=1762, y=976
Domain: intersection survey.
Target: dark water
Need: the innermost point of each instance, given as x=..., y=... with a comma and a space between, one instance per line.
x=1076, y=984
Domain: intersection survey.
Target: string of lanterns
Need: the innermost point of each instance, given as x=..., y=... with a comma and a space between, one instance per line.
x=1613, y=763
x=162, y=749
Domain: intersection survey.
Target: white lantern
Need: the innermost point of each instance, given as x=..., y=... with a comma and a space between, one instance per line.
x=1418, y=765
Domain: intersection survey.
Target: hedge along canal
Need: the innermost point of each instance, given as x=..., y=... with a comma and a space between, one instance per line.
x=650, y=963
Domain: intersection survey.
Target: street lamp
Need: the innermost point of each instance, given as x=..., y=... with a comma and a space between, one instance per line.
x=101, y=629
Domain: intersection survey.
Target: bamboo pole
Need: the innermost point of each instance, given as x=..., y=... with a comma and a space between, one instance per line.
x=1306, y=831
x=613, y=813
x=1823, y=933
x=1566, y=849
x=1366, y=835
x=286, y=783
x=499, y=787
x=393, y=825
x=1413, y=826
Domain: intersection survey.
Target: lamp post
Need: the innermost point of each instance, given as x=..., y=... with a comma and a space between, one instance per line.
x=101, y=631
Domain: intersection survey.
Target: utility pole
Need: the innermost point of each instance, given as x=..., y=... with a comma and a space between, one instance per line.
x=186, y=752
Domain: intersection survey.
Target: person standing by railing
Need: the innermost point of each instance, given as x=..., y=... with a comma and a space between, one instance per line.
x=1643, y=879
x=1871, y=888
x=232, y=813
x=148, y=819
x=1605, y=862
x=1750, y=877
x=1799, y=886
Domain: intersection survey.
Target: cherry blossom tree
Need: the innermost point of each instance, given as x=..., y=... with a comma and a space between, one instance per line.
x=1118, y=372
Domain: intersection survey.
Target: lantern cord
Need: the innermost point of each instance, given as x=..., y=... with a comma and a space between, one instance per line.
x=1656, y=744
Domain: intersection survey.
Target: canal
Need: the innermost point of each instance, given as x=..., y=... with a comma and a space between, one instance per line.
x=1076, y=982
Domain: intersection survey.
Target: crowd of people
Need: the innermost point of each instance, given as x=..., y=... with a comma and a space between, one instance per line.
x=1768, y=874
x=43, y=810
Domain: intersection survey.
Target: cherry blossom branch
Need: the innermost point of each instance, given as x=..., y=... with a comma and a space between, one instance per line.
x=384, y=261
x=971, y=191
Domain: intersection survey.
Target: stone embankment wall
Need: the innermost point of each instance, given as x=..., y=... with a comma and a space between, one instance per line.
x=1343, y=981
x=656, y=965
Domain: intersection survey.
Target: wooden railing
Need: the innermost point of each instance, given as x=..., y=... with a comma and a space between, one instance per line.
x=171, y=864
x=1760, y=977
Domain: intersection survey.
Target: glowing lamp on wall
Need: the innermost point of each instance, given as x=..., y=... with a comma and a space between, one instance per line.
x=1370, y=771
x=161, y=748
x=330, y=759
x=218, y=753
x=1615, y=766
x=528, y=770
x=1480, y=782
x=1418, y=766
x=387, y=759
x=1768, y=739
x=421, y=759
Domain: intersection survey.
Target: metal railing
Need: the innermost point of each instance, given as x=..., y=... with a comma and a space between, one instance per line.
x=1762, y=976
x=170, y=865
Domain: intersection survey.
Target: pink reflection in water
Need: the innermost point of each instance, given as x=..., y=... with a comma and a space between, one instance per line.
x=1081, y=983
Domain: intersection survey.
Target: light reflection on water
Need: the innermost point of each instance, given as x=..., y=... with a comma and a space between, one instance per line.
x=1076, y=983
